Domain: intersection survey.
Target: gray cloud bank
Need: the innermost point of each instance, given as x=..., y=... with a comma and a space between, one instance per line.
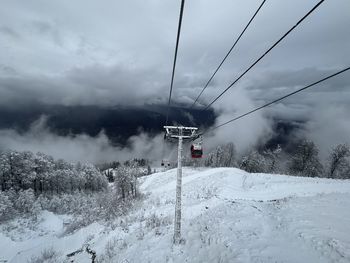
x=81, y=147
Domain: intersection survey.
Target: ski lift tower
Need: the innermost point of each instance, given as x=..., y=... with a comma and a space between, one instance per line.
x=180, y=133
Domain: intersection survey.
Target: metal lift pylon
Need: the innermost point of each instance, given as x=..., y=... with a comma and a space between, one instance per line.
x=180, y=133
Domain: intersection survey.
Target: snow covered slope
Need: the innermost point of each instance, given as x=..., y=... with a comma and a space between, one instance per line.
x=233, y=216
x=228, y=216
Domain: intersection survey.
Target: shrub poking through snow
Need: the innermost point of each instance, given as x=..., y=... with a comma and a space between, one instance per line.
x=156, y=222
x=47, y=256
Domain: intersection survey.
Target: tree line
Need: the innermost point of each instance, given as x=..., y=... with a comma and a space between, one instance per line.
x=43, y=174
x=140, y=167
x=31, y=183
x=303, y=160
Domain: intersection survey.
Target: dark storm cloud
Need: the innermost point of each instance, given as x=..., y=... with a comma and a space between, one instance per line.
x=93, y=85
x=126, y=47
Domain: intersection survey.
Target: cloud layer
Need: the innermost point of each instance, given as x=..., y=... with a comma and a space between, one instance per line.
x=121, y=52
x=81, y=147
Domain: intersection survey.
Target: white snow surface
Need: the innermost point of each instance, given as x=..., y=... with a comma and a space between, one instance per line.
x=228, y=216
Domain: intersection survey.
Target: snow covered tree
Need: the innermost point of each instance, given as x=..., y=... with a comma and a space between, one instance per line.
x=339, y=165
x=135, y=172
x=254, y=162
x=217, y=156
x=305, y=160
x=228, y=158
x=43, y=166
x=90, y=178
x=40, y=172
x=22, y=170
x=122, y=181
x=222, y=156
x=211, y=160
x=25, y=202
x=16, y=170
x=126, y=181
x=6, y=207
x=272, y=159
x=4, y=172
x=8, y=159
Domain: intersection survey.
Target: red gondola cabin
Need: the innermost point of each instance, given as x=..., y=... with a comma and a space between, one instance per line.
x=196, y=151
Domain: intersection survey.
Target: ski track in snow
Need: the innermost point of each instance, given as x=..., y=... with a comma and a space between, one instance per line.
x=228, y=216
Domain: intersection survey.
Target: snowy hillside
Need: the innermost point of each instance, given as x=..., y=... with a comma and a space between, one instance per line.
x=228, y=216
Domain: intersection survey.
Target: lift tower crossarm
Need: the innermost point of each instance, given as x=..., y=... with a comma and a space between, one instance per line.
x=186, y=132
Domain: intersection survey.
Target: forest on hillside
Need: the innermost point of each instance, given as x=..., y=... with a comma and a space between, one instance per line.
x=303, y=160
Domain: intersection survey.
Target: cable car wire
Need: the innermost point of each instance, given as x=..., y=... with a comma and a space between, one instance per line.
x=228, y=53
x=276, y=100
x=174, y=66
x=266, y=52
x=175, y=57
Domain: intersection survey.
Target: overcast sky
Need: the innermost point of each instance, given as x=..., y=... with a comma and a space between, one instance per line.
x=120, y=53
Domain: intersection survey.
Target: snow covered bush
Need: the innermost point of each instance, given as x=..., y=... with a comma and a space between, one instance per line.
x=6, y=207
x=112, y=250
x=305, y=160
x=155, y=221
x=47, y=256
x=14, y=203
x=89, y=208
x=108, y=205
x=25, y=202
x=339, y=164
x=86, y=207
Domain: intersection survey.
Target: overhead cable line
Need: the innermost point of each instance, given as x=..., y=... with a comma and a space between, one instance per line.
x=228, y=53
x=273, y=46
x=277, y=100
x=175, y=56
